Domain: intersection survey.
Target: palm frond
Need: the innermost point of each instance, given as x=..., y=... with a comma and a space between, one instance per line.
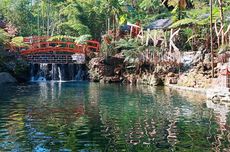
x=80, y=40
x=182, y=22
x=83, y=38
x=191, y=37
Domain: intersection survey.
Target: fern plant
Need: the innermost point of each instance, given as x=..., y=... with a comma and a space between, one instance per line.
x=133, y=51
x=127, y=44
x=183, y=22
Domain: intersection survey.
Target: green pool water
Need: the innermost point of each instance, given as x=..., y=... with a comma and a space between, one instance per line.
x=85, y=117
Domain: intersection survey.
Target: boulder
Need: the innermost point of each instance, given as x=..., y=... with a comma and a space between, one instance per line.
x=131, y=78
x=171, y=74
x=150, y=79
x=6, y=78
x=170, y=80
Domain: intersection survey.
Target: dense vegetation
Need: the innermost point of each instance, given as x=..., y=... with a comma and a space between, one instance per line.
x=77, y=17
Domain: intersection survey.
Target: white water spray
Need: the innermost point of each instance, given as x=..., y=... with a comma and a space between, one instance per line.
x=59, y=74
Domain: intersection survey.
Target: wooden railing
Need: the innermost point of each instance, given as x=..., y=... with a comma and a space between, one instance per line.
x=42, y=45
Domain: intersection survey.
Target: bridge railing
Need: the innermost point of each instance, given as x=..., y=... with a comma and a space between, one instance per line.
x=93, y=45
x=41, y=44
x=55, y=46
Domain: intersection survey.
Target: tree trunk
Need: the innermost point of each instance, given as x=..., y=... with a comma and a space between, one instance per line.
x=48, y=18
x=43, y=20
x=221, y=20
x=108, y=24
x=114, y=28
x=38, y=22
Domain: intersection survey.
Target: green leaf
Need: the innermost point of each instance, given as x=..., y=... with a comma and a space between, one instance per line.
x=182, y=22
x=18, y=41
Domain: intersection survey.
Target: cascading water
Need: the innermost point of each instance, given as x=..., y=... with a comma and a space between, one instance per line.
x=81, y=72
x=58, y=72
x=32, y=72
x=43, y=72
x=38, y=72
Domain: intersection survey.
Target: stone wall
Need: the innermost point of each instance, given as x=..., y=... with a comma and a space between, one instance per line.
x=106, y=70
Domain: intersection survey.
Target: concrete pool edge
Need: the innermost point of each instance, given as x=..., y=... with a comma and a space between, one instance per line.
x=198, y=90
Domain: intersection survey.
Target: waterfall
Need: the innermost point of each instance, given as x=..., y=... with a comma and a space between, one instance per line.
x=59, y=72
x=53, y=72
x=43, y=72
x=32, y=72
x=38, y=72
x=79, y=73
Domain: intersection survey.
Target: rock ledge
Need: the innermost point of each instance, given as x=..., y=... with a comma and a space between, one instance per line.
x=7, y=78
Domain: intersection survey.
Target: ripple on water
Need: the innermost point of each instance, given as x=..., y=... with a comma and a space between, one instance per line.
x=94, y=117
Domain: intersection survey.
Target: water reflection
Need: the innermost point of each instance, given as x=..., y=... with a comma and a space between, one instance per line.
x=68, y=116
x=221, y=112
x=51, y=89
x=43, y=91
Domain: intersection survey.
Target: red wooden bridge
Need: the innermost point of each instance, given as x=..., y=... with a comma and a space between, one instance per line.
x=44, y=50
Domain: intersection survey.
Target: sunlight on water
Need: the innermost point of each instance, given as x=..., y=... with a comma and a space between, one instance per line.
x=79, y=116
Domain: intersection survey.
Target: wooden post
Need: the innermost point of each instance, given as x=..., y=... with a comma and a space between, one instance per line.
x=222, y=20
x=147, y=39
x=141, y=36
x=218, y=33
x=131, y=31
x=211, y=39
x=108, y=24
x=226, y=36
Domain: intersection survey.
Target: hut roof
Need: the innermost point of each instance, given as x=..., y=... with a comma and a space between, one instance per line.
x=159, y=24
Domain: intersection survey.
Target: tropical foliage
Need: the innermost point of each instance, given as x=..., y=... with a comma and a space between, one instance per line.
x=96, y=17
x=4, y=37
